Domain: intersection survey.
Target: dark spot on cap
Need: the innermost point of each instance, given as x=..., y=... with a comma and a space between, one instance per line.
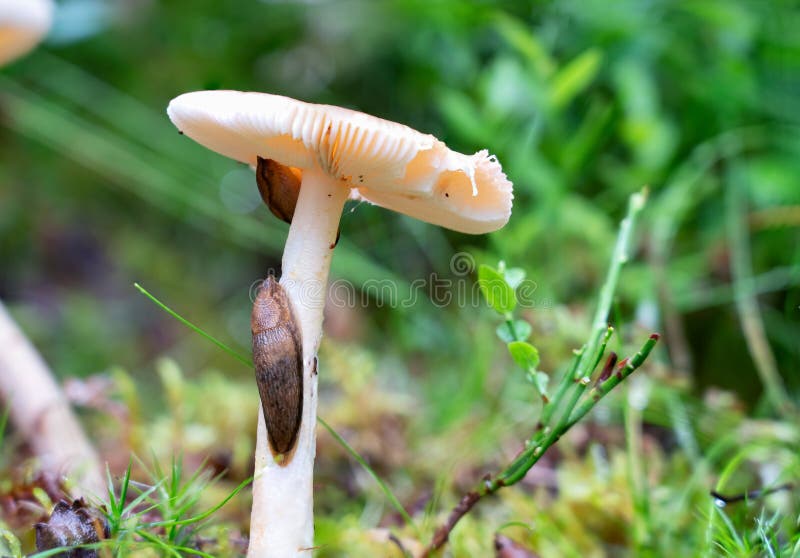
x=446, y=195
x=180, y=132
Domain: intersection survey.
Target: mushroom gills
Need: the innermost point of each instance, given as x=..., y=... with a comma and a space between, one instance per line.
x=278, y=360
x=279, y=186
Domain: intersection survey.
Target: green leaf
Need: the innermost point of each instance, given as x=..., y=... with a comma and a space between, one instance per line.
x=514, y=276
x=573, y=78
x=522, y=38
x=42, y=498
x=9, y=544
x=524, y=354
x=463, y=115
x=497, y=292
x=522, y=329
x=540, y=380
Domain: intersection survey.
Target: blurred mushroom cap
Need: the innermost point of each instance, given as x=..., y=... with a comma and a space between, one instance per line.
x=385, y=163
x=23, y=23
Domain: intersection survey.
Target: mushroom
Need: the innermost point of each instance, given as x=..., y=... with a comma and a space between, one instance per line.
x=23, y=23
x=336, y=154
x=42, y=415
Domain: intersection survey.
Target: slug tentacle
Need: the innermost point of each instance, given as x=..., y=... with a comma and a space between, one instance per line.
x=278, y=359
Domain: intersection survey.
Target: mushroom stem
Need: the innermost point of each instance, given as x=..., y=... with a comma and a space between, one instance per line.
x=41, y=413
x=282, y=518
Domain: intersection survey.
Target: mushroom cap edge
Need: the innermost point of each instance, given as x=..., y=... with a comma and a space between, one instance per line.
x=386, y=163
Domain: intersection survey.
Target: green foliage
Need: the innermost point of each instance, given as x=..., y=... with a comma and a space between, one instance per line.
x=171, y=377
x=9, y=543
x=514, y=329
x=524, y=354
x=495, y=289
x=361, y=461
x=583, y=102
x=527, y=357
x=170, y=498
x=571, y=403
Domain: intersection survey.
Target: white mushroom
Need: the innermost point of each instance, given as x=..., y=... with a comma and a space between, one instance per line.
x=342, y=154
x=23, y=23
x=42, y=414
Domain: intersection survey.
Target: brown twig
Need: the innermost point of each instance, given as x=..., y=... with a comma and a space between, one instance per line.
x=723, y=500
x=443, y=532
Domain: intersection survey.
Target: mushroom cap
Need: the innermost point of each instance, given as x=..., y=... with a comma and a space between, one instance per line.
x=384, y=163
x=23, y=23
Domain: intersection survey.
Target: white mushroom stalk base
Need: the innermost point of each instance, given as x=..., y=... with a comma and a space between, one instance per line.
x=41, y=413
x=282, y=519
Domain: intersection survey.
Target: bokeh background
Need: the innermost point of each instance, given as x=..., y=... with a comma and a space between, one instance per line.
x=583, y=101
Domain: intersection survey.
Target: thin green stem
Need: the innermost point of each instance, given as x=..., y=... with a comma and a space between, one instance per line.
x=206, y=514
x=746, y=303
x=618, y=259
x=386, y=490
x=571, y=388
x=637, y=479
x=241, y=358
x=563, y=387
x=624, y=369
x=511, y=329
x=602, y=350
x=542, y=441
x=539, y=443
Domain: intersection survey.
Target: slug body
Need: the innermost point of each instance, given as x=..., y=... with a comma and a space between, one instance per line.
x=278, y=359
x=279, y=186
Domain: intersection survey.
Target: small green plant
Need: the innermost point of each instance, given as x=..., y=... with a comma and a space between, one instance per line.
x=390, y=496
x=161, y=516
x=577, y=392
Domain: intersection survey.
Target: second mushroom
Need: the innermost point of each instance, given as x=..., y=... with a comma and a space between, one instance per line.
x=310, y=160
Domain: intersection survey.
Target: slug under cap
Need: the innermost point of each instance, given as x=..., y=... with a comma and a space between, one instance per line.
x=383, y=162
x=23, y=23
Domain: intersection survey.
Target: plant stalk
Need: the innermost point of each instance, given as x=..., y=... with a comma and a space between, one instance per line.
x=571, y=389
x=746, y=302
x=282, y=518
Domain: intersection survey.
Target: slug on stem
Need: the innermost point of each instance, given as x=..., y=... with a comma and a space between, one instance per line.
x=279, y=186
x=278, y=359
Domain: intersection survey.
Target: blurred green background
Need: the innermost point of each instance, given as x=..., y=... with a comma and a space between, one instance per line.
x=583, y=102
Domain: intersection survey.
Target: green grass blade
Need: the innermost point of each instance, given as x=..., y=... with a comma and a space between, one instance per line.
x=208, y=512
x=3, y=424
x=386, y=490
x=241, y=358
x=383, y=486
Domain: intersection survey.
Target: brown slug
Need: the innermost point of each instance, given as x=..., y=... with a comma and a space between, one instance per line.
x=279, y=186
x=278, y=360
